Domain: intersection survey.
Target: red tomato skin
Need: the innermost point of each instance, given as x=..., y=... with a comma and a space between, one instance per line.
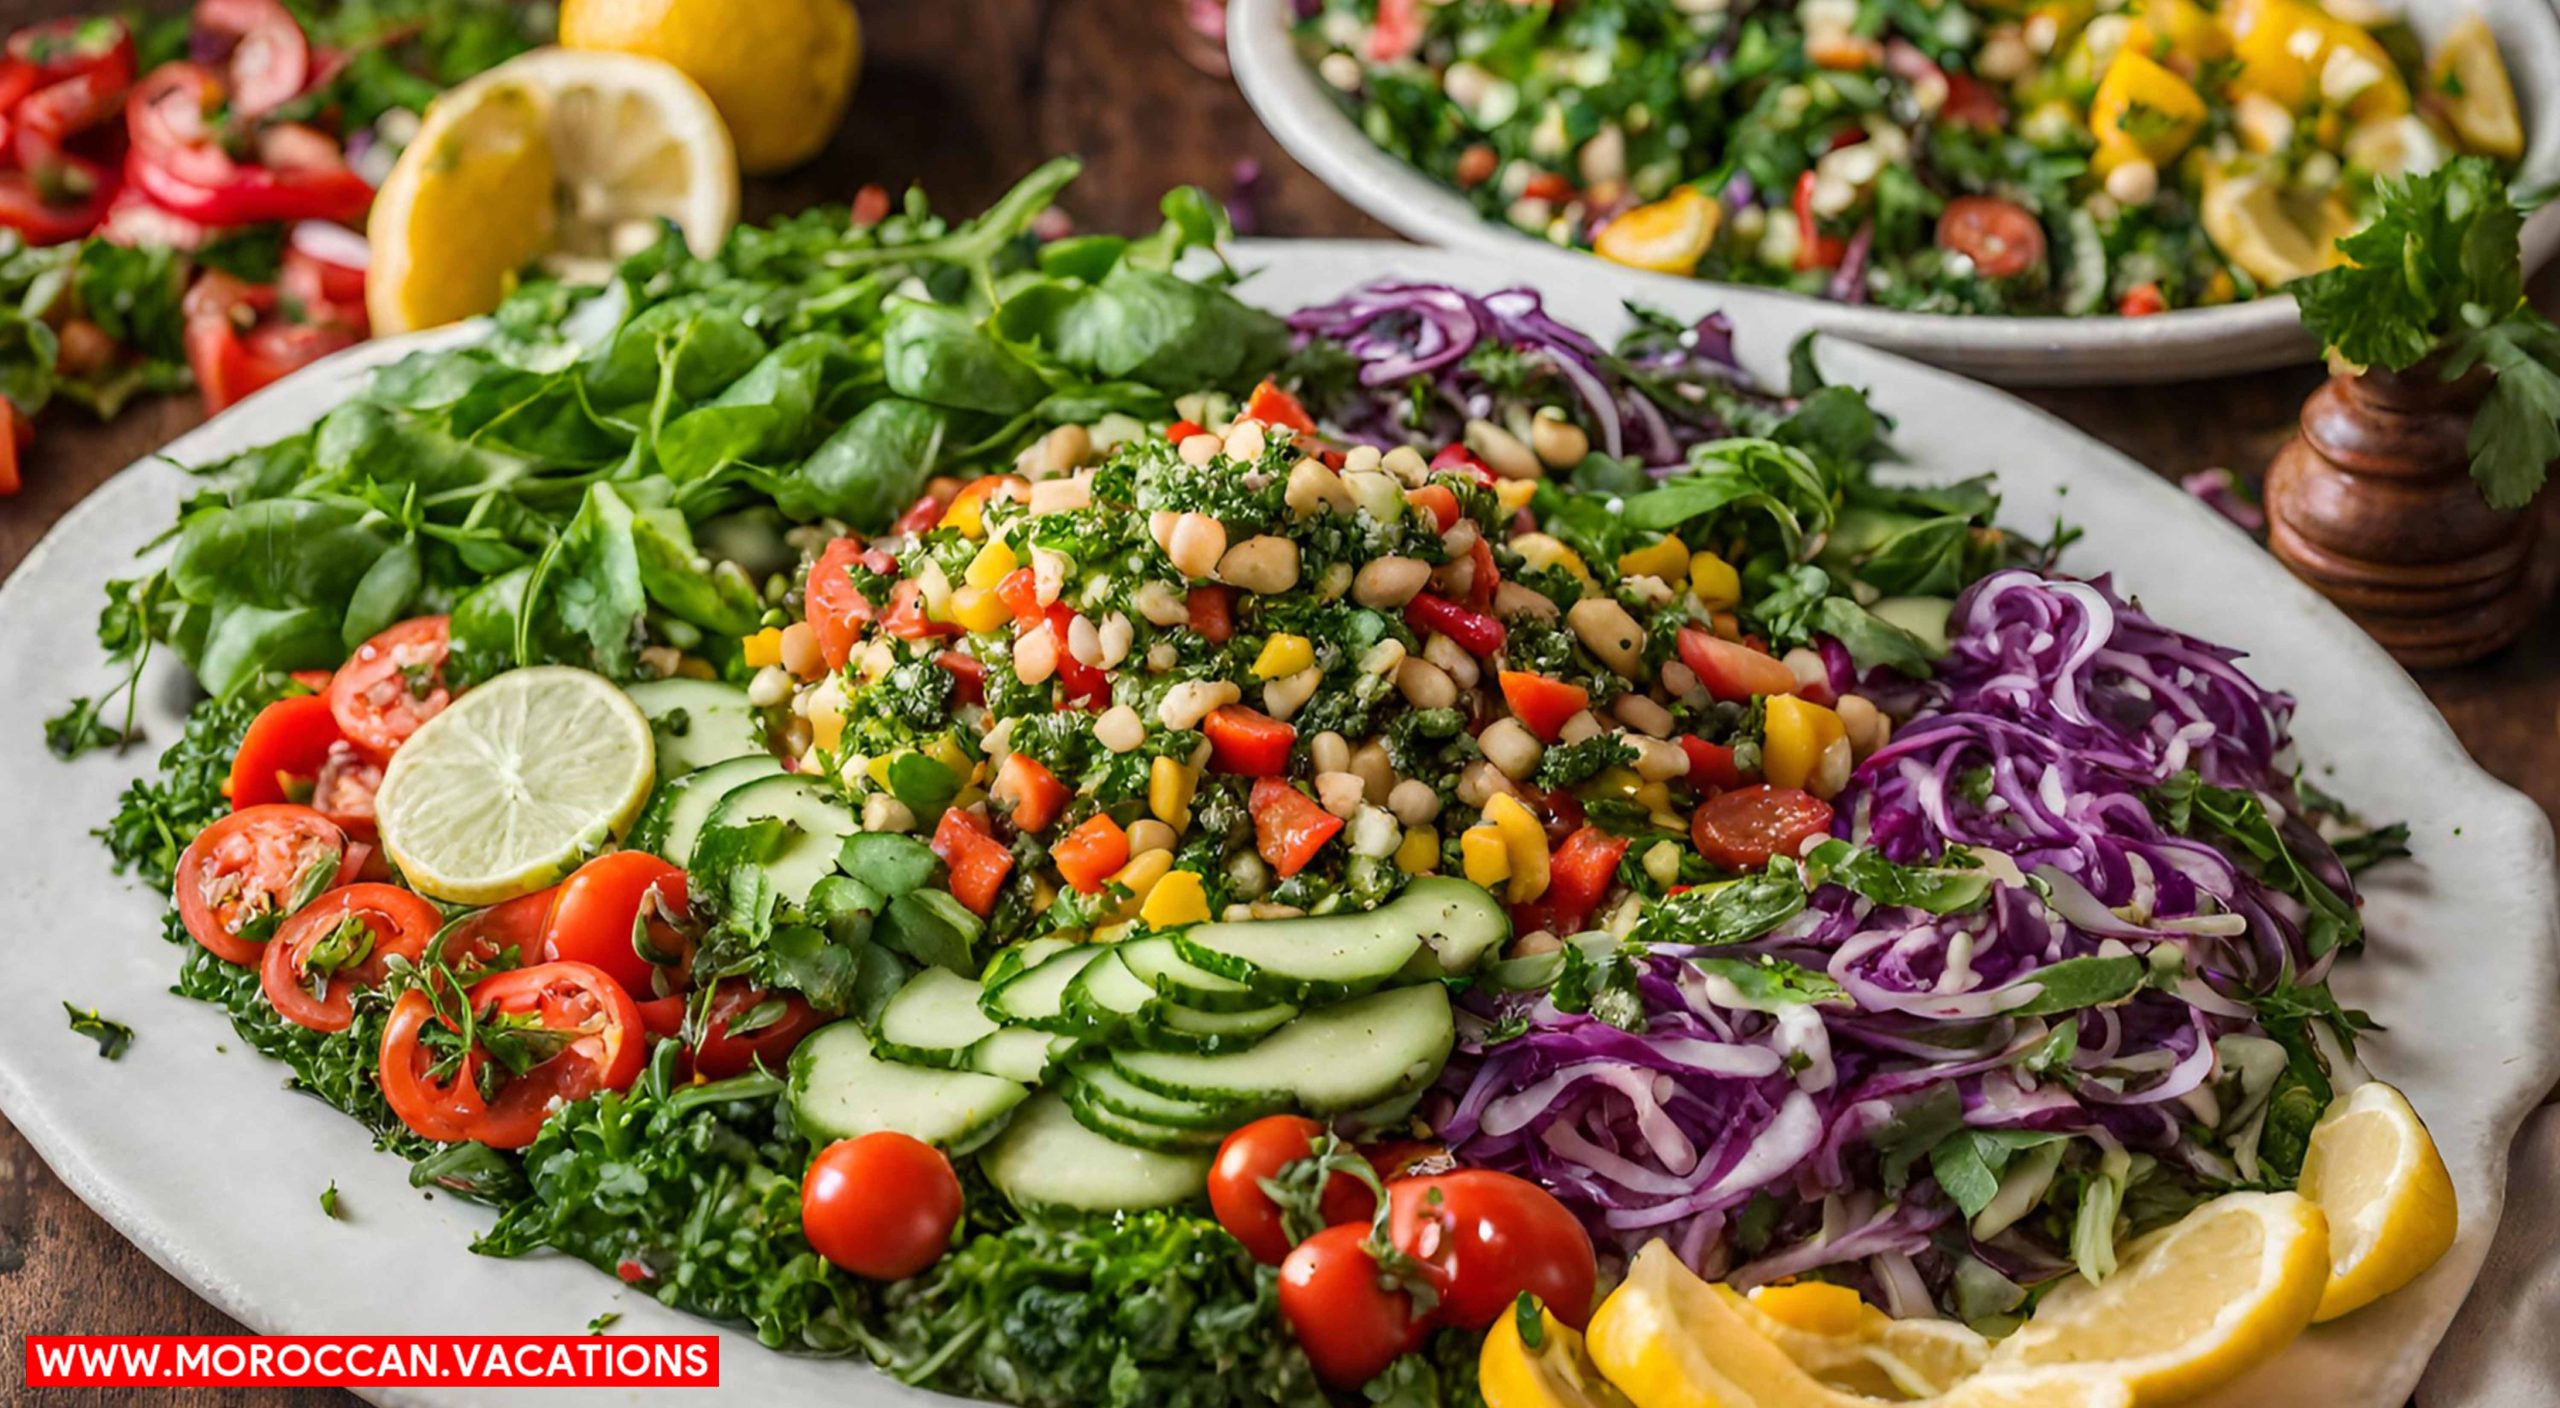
x=2001, y=237
x=1351, y=1327
x=609, y=1057
x=1289, y=828
x=1273, y=406
x=1030, y=792
x=281, y=846
x=290, y=738
x=882, y=1206
x=1711, y=765
x=402, y=923
x=1486, y=1237
x=1248, y=742
x=482, y=937
x=977, y=861
x=837, y=613
x=1731, y=672
x=1583, y=869
x=1742, y=829
x=373, y=695
x=591, y=921
x=1261, y=1150
x=719, y=1056
x=344, y=790
x=2142, y=300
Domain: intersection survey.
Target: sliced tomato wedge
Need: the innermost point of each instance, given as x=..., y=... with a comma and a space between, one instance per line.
x=1289, y=828
x=393, y=684
x=250, y=871
x=269, y=57
x=284, y=751
x=2001, y=237
x=978, y=862
x=837, y=612
x=338, y=943
x=343, y=791
x=1541, y=703
x=501, y=936
x=25, y=208
x=1732, y=672
x=748, y=1027
x=1742, y=829
x=571, y=1028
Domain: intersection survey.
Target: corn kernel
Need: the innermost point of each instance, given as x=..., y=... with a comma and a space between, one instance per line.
x=990, y=566
x=1665, y=559
x=1714, y=582
x=1170, y=787
x=1419, y=852
x=1526, y=841
x=1178, y=898
x=1486, y=854
x=978, y=610
x=1793, y=734
x=763, y=648
x=1284, y=654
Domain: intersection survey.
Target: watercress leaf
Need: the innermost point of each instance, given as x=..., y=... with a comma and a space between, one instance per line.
x=383, y=595
x=1939, y=890
x=1723, y=914
x=111, y=1036
x=243, y=642
x=931, y=927
x=888, y=862
x=594, y=587
x=870, y=470
x=717, y=597
x=1767, y=983
x=766, y=413
x=941, y=356
x=278, y=553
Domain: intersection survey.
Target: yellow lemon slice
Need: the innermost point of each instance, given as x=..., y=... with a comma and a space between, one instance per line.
x=2275, y=234
x=514, y=784
x=1555, y=1373
x=570, y=157
x=780, y=70
x=2470, y=82
x=2373, y=1169
x=1669, y=236
x=1850, y=1345
x=2191, y=1306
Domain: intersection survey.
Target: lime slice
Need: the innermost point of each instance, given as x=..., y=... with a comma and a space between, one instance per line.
x=514, y=784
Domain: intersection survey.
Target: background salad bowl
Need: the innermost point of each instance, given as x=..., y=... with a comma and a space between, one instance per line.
x=189, y=1148
x=1307, y=118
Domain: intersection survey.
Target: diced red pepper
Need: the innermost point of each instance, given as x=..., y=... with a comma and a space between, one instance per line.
x=1213, y=613
x=1730, y=671
x=1542, y=703
x=1288, y=827
x=968, y=675
x=1710, y=764
x=1090, y=855
x=906, y=619
x=1581, y=871
x=2142, y=300
x=837, y=612
x=1484, y=579
x=1439, y=501
x=1247, y=742
x=1079, y=682
x=1814, y=249
x=1020, y=593
x=1459, y=457
x=1273, y=406
x=1476, y=632
x=1030, y=792
x=978, y=862
x=1182, y=430
x=920, y=517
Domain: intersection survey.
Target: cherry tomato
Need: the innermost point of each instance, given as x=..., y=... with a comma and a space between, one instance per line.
x=285, y=749
x=338, y=943
x=169, y=118
x=484, y=937
x=838, y=613
x=1485, y=1237
x=392, y=684
x=270, y=59
x=248, y=872
x=721, y=1054
x=1350, y=1324
x=2142, y=300
x=595, y=917
x=1731, y=671
x=343, y=791
x=1742, y=829
x=228, y=365
x=1260, y=1151
x=532, y=1007
x=25, y=208
x=2001, y=237
x=882, y=1206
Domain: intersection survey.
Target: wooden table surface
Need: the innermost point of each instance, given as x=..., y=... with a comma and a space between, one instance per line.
x=963, y=96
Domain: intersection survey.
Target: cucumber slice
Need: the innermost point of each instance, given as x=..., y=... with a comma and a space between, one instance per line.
x=1445, y=923
x=675, y=815
x=1107, y=996
x=698, y=722
x=1092, y=1081
x=1036, y=996
x=1342, y=1057
x=1019, y=1053
x=1174, y=1027
x=933, y=1021
x=1161, y=965
x=1045, y=1159
x=819, y=821
x=842, y=1089
x=1011, y=961
x=1139, y=1134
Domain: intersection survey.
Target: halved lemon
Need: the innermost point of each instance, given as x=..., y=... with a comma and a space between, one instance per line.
x=566, y=157
x=1848, y=1344
x=2191, y=1306
x=1555, y=1373
x=2470, y=83
x=2375, y=1171
x=514, y=784
x=781, y=70
x=2276, y=234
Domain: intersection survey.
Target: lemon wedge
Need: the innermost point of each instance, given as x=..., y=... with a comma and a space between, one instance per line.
x=2470, y=81
x=1848, y=1344
x=2192, y=1305
x=1669, y=236
x=2373, y=1169
x=567, y=157
x=2276, y=235
x=514, y=784
x=781, y=70
x=1556, y=1373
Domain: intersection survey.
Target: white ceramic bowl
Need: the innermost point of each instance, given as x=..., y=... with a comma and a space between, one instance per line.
x=2182, y=345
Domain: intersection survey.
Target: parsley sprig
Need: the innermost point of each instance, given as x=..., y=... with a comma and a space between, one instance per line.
x=2440, y=273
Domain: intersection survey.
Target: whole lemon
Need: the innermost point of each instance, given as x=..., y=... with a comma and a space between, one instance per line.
x=780, y=71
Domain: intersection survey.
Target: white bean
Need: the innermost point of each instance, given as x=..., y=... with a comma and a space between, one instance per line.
x=1610, y=633
x=1640, y=713
x=1385, y=582
x=1413, y=802
x=1425, y=685
x=1502, y=451
x=1454, y=659
x=1509, y=745
x=1187, y=703
x=1035, y=656
x=1329, y=752
x=771, y=686
x=1284, y=697
x=1119, y=728
x=1195, y=544
x=1339, y=792
x=1265, y=565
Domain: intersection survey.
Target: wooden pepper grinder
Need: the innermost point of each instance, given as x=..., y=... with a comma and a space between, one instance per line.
x=2372, y=502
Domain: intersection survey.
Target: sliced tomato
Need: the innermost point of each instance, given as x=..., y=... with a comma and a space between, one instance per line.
x=838, y=612
x=1078, y=682
x=2001, y=237
x=269, y=57
x=968, y=675
x=250, y=871
x=1541, y=703
x=921, y=516
x=1213, y=613
x=338, y=943
x=1742, y=829
x=1711, y=765
x=170, y=119
x=1019, y=590
x=1182, y=430
x=284, y=751
x=506, y=935
x=1273, y=406
x=1733, y=672
x=2142, y=300
x=255, y=195
x=747, y=1027
x=1973, y=103
x=67, y=48
x=1090, y=855
x=50, y=117
x=906, y=619
x=229, y=364
x=344, y=789
x=1248, y=742
x=25, y=209
x=978, y=862
x=392, y=684
x=578, y=1029
x=1289, y=828
x=1032, y=794
x=608, y=905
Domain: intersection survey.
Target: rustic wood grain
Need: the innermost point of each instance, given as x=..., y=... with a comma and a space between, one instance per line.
x=963, y=96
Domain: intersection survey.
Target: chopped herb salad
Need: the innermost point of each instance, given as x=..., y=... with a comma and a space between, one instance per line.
x=2078, y=158
x=987, y=806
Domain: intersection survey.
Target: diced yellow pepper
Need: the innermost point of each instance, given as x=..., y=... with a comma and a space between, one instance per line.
x=1284, y=654
x=1179, y=898
x=2143, y=112
x=763, y=648
x=1487, y=855
x=1792, y=738
x=1540, y=551
x=1140, y=877
x=991, y=565
x=1170, y=787
x=1816, y=1307
x=1666, y=559
x=878, y=769
x=1714, y=582
x=1419, y=852
x=826, y=728
x=1615, y=782
x=1513, y=495
x=1526, y=839
x=2476, y=95
x=2280, y=44
x=1668, y=236
x=2357, y=63
x=978, y=610
x=2176, y=30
